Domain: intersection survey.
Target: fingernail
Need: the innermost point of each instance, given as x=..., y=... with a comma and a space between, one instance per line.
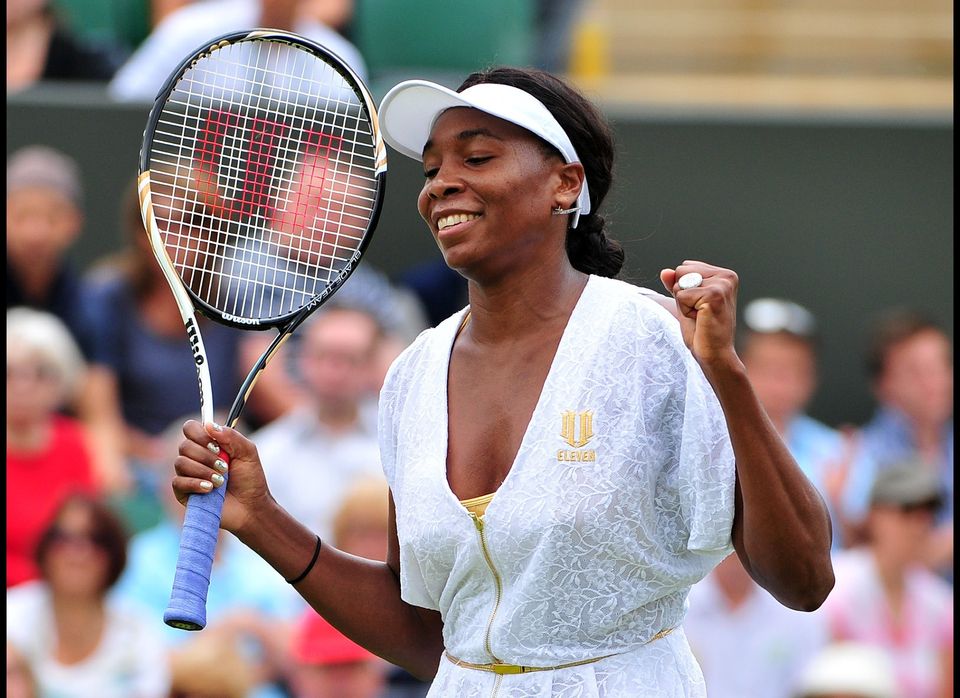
x=217, y=479
x=206, y=484
x=214, y=447
x=220, y=465
x=216, y=427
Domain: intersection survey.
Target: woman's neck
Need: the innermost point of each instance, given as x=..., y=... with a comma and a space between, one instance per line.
x=519, y=305
x=79, y=624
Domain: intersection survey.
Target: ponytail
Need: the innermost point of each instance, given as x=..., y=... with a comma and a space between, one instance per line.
x=591, y=251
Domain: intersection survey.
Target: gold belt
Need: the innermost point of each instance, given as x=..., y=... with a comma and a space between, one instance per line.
x=501, y=668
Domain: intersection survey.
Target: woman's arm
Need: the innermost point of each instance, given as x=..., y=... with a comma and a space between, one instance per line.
x=781, y=527
x=360, y=597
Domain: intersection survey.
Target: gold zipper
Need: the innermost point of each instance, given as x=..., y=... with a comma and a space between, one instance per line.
x=478, y=522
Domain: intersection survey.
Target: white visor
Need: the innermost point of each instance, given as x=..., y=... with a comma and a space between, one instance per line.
x=409, y=111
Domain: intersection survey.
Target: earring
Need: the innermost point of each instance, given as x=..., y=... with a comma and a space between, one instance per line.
x=558, y=211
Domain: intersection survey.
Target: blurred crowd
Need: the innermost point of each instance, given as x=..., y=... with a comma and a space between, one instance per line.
x=100, y=378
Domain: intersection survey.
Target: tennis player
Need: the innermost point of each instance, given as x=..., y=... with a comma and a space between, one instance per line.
x=567, y=455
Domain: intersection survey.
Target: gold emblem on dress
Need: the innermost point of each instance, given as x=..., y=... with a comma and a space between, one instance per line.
x=569, y=428
x=577, y=430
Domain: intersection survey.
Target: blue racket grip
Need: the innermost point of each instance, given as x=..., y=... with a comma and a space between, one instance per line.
x=187, y=609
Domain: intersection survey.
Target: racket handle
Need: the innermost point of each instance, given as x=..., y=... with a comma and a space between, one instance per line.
x=187, y=609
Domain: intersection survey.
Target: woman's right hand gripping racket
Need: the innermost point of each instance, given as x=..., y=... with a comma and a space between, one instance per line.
x=262, y=176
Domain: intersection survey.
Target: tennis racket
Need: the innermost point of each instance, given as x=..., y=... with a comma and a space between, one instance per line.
x=262, y=176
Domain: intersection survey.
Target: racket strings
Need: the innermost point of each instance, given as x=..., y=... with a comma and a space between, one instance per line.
x=264, y=163
x=257, y=263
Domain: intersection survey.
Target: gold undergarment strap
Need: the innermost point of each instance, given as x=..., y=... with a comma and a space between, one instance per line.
x=463, y=323
x=478, y=505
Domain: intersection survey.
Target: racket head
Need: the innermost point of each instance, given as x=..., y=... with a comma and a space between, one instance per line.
x=262, y=173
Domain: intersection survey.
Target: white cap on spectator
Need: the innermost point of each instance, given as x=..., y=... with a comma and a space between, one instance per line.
x=41, y=166
x=771, y=315
x=849, y=668
x=41, y=334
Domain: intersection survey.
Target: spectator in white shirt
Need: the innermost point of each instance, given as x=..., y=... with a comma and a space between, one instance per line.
x=746, y=642
x=186, y=29
x=325, y=441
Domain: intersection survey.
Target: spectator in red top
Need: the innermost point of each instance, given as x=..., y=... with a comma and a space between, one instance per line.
x=327, y=663
x=47, y=453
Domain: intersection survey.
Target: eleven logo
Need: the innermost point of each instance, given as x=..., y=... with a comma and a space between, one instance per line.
x=576, y=430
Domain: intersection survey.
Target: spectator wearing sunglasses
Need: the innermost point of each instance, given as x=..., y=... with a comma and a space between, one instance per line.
x=47, y=452
x=779, y=351
x=78, y=641
x=885, y=596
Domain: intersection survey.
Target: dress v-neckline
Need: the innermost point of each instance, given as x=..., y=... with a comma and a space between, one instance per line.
x=444, y=405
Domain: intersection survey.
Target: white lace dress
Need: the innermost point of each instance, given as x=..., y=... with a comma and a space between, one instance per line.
x=620, y=498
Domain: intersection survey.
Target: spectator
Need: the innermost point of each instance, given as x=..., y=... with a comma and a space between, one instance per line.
x=334, y=362
x=77, y=642
x=848, y=670
x=210, y=666
x=746, y=643
x=328, y=665
x=322, y=656
x=779, y=352
x=48, y=455
x=44, y=219
x=147, y=358
x=555, y=22
x=336, y=14
x=362, y=519
x=249, y=605
x=886, y=597
x=910, y=365
x=400, y=314
x=186, y=28
x=40, y=47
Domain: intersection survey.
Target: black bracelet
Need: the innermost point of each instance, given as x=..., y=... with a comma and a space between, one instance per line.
x=313, y=561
